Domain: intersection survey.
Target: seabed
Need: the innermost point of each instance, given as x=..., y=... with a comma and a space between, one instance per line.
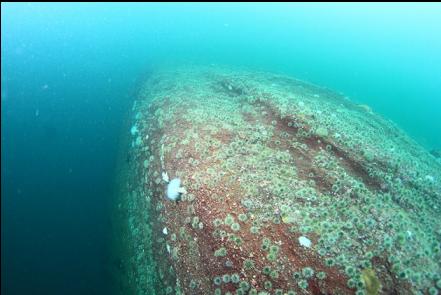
x=287, y=188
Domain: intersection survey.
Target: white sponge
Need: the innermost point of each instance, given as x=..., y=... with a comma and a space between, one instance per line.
x=305, y=242
x=173, y=189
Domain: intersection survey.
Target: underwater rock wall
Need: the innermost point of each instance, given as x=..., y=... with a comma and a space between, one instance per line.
x=286, y=188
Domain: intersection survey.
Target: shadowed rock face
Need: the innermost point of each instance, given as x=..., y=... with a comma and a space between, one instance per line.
x=268, y=161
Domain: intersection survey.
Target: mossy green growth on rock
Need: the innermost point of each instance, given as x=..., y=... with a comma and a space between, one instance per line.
x=371, y=282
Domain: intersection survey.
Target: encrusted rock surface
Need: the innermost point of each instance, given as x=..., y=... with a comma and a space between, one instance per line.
x=265, y=160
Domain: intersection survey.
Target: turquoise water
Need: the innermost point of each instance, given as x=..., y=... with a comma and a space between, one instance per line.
x=70, y=73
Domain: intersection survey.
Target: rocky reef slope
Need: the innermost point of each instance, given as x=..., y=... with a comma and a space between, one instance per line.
x=286, y=188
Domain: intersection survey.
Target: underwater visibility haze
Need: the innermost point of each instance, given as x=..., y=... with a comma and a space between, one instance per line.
x=220, y=148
